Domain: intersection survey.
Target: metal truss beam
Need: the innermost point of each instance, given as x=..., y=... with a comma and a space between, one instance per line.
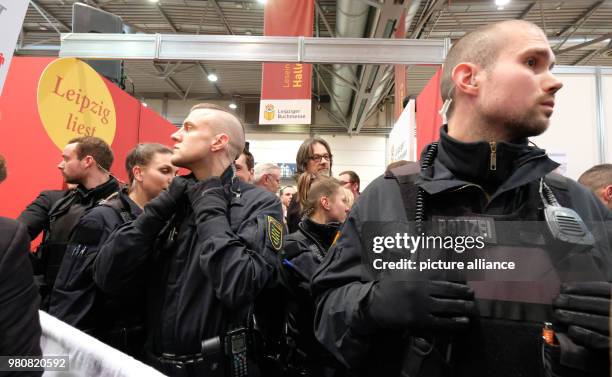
x=324, y=19
x=177, y=89
x=525, y=12
x=166, y=18
x=577, y=24
x=49, y=16
x=222, y=17
x=585, y=44
x=253, y=48
x=205, y=71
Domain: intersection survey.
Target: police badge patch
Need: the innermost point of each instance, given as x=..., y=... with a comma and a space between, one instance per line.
x=275, y=233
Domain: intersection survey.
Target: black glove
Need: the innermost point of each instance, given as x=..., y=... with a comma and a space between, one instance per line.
x=208, y=198
x=583, y=308
x=165, y=205
x=420, y=304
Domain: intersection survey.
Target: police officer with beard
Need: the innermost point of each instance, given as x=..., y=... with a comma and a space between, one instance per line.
x=115, y=319
x=86, y=162
x=208, y=248
x=498, y=83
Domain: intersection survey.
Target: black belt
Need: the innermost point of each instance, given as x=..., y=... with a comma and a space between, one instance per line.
x=187, y=365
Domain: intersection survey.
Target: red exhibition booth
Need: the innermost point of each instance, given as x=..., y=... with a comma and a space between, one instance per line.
x=48, y=101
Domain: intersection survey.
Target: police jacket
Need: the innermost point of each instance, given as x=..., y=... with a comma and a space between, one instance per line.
x=204, y=269
x=459, y=182
x=36, y=215
x=75, y=298
x=303, y=252
x=19, y=323
x=63, y=216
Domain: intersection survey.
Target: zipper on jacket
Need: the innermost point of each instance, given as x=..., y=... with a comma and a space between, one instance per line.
x=493, y=158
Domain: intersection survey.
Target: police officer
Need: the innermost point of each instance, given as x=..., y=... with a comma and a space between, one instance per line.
x=86, y=162
x=19, y=321
x=208, y=247
x=502, y=90
x=115, y=319
x=325, y=209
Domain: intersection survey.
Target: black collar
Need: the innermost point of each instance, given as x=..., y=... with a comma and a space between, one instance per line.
x=457, y=164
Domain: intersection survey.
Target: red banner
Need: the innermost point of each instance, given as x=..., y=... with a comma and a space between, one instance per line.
x=27, y=142
x=286, y=87
x=428, y=120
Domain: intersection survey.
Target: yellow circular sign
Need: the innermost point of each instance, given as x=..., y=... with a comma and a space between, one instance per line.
x=74, y=101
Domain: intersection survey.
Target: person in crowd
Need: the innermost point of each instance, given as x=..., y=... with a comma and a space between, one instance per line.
x=599, y=180
x=350, y=180
x=498, y=90
x=245, y=165
x=19, y=300
x=117, y=319
x=349, y=199
x=324, y=208
x=208, y=247
x=36, y=214
x=314, y=157
x=286, y=194
x=267, y=176
x=86, y=162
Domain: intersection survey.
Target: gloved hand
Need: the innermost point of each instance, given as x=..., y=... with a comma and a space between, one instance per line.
x=583, y=308
x=420, y=304
x=208, y=198
x=165, y=205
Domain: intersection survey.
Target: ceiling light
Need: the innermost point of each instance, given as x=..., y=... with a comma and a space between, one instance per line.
x=261, y=1
x=212, y=77
x=153, y=1
x=501, y=3
x=233, y=106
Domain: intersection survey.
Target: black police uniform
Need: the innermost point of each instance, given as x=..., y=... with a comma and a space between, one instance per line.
x=303, y=252
x=19, y=323
x=209, y=249
x=504, y=338
x=116, y=319
x=63, y=216
x=293, y=214
x=36, y=214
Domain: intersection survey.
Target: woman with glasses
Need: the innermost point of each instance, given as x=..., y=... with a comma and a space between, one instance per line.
x=324, y=207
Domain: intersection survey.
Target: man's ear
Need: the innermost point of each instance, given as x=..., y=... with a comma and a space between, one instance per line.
x=465, y=77
x=89, y=161
x=607, y=194
x=220, y=142
x=137, y=171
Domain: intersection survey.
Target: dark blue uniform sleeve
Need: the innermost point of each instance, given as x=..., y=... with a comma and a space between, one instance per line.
x=340, y=293
x=19, y=300
x=36, y=215
x=73, y=294
x=128, y=249
x=241, y=264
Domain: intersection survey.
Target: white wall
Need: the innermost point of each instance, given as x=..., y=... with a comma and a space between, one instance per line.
x=607, y=100
x=573, y=126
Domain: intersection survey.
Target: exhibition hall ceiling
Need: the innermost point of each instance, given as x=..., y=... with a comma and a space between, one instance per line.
x=567, y=23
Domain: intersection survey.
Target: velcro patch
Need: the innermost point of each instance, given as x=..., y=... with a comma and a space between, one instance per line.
x=87, y=236
x=275, y=233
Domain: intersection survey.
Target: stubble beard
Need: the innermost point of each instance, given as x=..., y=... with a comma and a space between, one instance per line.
x=519, y=126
